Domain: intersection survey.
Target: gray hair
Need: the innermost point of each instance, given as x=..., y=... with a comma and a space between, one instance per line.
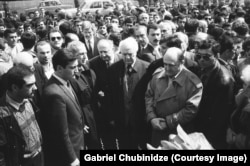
x=129, y=43
x=105, y=42
x=74, y=46
x=87, y=25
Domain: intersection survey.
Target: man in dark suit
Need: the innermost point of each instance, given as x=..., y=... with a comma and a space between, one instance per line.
x=89, y=39
x=100, y=65
x=147, y=51
x=217, y=101
x=124, y=76
x=83, y=84
x=62, y=117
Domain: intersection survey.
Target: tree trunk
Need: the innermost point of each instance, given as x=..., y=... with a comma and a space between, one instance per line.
x=77, y=3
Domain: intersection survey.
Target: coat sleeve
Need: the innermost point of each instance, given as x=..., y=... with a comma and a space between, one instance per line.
x=2, y=144
x=189, y=111
x=149, y=101
x=59, y=125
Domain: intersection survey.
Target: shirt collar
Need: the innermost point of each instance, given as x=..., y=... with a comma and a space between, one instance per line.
x=144, y=47
x=13, y=103
x=179, y=77
x=60, y=79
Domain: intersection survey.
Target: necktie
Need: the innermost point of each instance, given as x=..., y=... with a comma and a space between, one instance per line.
x=107, y=64
x=90, y=47
x=22, y=107
x=70, y=89
x=129, y=70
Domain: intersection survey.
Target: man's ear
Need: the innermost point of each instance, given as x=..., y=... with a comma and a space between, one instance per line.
x=14, y=88
x=59, y=68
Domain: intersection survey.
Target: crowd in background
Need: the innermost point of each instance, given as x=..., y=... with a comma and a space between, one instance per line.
x=123, y=79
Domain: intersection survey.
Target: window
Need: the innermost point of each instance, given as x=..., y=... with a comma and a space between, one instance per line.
x=96, y=5
x=42, y=4
x=46, y=4
x=107, y=4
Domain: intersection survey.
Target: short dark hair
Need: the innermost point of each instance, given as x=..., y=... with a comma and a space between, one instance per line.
x=226, y=43
x=15, y=76
x=42, y=33
x=8, y=31
x=63, y=57
x=240, y=28
x=28, y=40
x=152, y=26
x=208, y=44
x=26, y=25
x=192, y=25
x=18, y=24
x=66, y=27
x=53, y=31
x=128, y=20
x=246, y=43
x=174, y=41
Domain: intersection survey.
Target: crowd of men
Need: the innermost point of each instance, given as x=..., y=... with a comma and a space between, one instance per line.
x=121, y=80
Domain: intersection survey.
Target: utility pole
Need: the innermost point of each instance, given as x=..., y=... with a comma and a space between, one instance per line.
x=5, y=8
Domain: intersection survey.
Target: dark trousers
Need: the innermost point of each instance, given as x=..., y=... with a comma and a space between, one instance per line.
x=38, y=160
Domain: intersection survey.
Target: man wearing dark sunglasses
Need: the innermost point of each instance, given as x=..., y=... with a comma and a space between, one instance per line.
x=217, y=98
x=55, y=39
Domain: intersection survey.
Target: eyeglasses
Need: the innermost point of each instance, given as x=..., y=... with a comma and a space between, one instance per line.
x=182, y=22
x=206, y=57
x=208, y=18
x=54, y=38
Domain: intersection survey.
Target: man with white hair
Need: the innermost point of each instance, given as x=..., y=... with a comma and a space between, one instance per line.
x=166, y=29
x=124, y=76
x=172, y=97
x=144, y=18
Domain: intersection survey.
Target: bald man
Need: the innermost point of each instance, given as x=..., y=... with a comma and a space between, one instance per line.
x=172, y=97
x=41, y=79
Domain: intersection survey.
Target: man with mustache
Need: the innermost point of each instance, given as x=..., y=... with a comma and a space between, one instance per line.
x=154, y=37
x=149, y=42
x=21, y=137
